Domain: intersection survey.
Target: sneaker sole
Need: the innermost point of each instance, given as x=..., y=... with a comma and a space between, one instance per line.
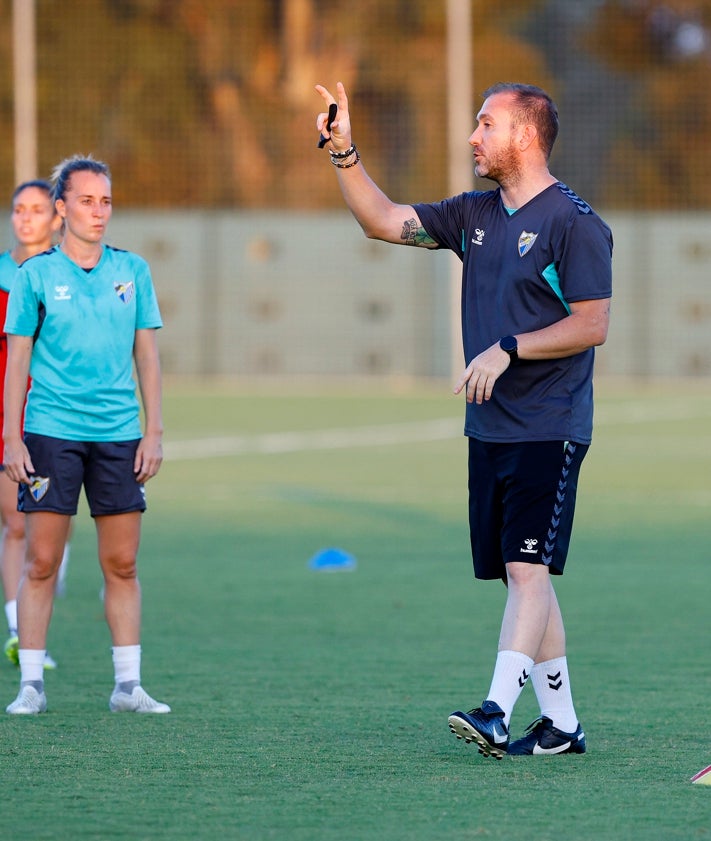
x=463, y=730
x=119, y=707
x=25, y=711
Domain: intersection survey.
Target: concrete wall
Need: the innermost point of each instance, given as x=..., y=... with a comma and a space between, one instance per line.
x=661, y=312
x=292, y=294
x=250, y=294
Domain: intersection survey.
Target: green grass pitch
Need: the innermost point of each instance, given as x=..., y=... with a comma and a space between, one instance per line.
x=310, y=706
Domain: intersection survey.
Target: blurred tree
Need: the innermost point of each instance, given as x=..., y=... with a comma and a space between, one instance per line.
x=659, y=155
x=7, y=139
x=210, y=103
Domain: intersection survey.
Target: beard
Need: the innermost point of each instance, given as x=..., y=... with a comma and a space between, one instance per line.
x=504, y=167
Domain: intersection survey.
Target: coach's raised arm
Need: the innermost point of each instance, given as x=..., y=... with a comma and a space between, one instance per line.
x=378, y=216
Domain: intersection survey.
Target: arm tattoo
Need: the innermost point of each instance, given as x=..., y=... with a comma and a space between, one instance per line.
x=412, y=235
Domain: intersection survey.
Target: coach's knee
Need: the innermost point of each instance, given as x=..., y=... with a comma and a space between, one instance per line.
x=521, y=575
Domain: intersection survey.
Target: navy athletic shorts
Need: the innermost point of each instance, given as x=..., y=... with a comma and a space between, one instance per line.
x=521, y=503
x=104, y=469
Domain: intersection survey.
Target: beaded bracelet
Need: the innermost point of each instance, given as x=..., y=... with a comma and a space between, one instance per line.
x=346, y=166
x=345, y=154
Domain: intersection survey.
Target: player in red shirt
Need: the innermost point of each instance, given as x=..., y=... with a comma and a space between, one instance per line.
x=34, y=224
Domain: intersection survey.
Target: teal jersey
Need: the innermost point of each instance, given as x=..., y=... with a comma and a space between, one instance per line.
x=82, y=360
x=8, y=270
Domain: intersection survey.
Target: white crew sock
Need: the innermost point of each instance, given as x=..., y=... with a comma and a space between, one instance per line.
x=32, y=667
x=11, y=614
x=127, y=666
x=510, y=675
x=552, y=686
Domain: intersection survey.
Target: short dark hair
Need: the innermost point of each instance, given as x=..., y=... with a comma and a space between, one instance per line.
x=39, y=183
x=533, y=105
x=63, y=172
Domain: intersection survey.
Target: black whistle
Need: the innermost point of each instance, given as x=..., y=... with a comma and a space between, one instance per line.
x=332, y=111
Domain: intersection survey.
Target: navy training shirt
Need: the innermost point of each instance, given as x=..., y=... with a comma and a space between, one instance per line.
x=521, y=271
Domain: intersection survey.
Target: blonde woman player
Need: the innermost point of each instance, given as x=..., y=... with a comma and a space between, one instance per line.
x=34, y=224
x=79, y=317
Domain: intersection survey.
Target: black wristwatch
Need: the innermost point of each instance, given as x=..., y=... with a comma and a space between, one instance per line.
x=510, y=345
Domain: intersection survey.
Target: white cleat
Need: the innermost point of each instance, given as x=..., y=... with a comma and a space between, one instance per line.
x=28, y=702
x=139, y=701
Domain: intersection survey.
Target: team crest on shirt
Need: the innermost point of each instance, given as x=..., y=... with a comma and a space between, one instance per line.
x=525, y=243
x=39, y=487
x=124, y=291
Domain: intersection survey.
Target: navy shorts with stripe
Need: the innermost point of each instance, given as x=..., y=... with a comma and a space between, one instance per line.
x=521, y=503
x=104, y=469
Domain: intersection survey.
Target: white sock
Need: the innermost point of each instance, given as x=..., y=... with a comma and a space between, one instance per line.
x=552, y=686
x=510, y=675
x=127, y=664
x=31, y=666
x=11, y=614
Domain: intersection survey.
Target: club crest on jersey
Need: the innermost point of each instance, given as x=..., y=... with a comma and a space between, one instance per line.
x=124, y=291
x=39, y=487
x=525, y=243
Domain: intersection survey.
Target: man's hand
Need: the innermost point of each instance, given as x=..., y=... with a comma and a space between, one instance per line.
x=340, y=134
x=482, y=373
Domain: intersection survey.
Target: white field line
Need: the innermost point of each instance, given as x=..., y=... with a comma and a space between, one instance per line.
x=317, y=439
x=414, y=432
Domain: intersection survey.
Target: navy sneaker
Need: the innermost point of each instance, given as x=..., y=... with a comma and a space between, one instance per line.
x=543, y=738
x=483, y=725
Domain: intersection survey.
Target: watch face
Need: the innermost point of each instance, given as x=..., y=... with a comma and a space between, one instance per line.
x=509, y=344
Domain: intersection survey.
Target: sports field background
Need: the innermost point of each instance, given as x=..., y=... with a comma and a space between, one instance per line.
x=311, y=705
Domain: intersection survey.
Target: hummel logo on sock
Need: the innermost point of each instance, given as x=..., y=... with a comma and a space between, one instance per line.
x=524, y=677
x=552, y=681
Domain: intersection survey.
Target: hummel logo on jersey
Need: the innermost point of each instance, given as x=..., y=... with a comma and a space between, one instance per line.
x=583, y=206
x=124, y=291
x=479, y=237
x=61, y=293
x=525, y=243
x=38, y=487
x=530, y=546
